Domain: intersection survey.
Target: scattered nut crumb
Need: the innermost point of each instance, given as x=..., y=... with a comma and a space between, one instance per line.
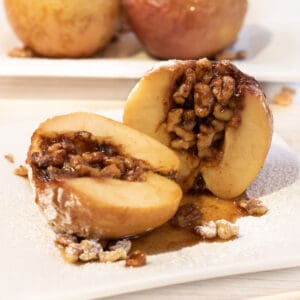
x=23, y=52
x=89, y=250
x=9, y=157
x=136, y=259
x=63, y=240
x=253, y=207
x=231, y=55
x=207, y=230
x=72, y=253
x=220, y=228
x=112, y=256
x=125, y=244
x=285, y=96
x=226, y=230
x=21, y=171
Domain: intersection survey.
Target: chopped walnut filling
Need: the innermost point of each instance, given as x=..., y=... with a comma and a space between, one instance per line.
x=79, y=154
x=221, y=228
x=254, y=207
x=205, y=101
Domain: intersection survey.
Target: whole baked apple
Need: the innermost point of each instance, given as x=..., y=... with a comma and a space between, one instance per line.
x=64, y=28
x=185, y=29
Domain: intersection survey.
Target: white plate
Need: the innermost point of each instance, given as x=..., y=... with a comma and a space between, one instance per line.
x=31, y=267
x=270, y=36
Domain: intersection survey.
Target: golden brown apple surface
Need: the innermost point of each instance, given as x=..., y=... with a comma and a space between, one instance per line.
x=96, y=178
x=185, y=29
x=63, y=28
x=214, y=116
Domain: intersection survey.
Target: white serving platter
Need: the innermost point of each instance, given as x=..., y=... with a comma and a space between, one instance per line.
x=270, y=37
x=31, y=267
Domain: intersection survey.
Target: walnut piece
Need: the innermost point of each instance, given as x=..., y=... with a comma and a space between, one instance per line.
x=112, y=256
x=203, y=100
x=223, y=89
x=63, y=240
x=88, y=250
x=72, y=253
x=253, y=207
x=21, y=171
x=207, y=230
x=221, y=228
x=136, y=259
x=186, y=216
x=174, y=118
x=125, y=244
x=91, y=249
x=226, y=230
x=185, y=88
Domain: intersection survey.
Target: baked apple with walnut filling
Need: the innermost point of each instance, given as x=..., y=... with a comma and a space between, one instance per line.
x=185, y=29
x=214, y=116
x=64, y=28
x=96, y=178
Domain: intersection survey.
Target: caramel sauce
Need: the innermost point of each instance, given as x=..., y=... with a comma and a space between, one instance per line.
x=169, y=238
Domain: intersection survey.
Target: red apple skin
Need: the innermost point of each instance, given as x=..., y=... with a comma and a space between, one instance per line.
x=185, y=29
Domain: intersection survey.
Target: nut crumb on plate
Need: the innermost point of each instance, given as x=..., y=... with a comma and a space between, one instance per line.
x=136, y=259
x=222, y=229
x=9, y=157
x=89, y=250
x=125, y=244
x=285, y=96
x=113, y=255
x=207, y=230
x=253, y=207
x=226, y=230
x=21, y=171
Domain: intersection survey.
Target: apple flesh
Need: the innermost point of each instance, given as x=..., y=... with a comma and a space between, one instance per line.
x=64, y=28
x=244, y=146
x=185, y=29
x=105, y=207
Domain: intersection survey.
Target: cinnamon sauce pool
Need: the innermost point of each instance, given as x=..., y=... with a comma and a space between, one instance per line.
x=169, y=238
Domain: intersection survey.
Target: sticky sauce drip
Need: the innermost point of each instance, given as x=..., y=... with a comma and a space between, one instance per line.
x=169, y=238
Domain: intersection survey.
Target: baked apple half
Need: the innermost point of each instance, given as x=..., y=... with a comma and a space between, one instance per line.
x=96, y=178
x=214, y=116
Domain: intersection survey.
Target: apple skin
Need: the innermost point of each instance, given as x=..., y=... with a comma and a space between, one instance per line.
x=245, y=147
x=64, y=28
x=106, y=208
x=185, y=29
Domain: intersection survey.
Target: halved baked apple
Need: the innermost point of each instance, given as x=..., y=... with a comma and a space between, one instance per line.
x=96, y=178
x=215, y=117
